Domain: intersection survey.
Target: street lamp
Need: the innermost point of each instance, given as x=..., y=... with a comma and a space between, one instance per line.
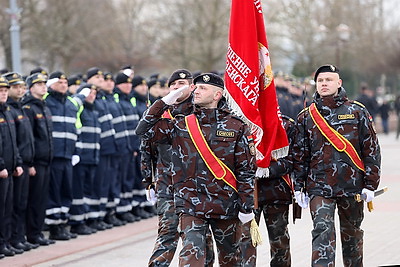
x=343, y=34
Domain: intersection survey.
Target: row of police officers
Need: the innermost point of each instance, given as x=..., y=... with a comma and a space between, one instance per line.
x=69, y=162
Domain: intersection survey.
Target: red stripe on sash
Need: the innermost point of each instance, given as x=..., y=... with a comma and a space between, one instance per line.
x=340, y=143
x=214, y=164
x=167, y=115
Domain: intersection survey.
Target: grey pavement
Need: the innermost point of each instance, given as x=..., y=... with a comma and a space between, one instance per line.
x=131, y=245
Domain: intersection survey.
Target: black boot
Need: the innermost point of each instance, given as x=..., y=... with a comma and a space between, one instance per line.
x=57, y=233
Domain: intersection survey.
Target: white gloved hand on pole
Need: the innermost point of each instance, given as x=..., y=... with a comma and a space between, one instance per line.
x=174, y=95
x=370, y=195
x=245, y=217
x=302, y=199
x=151, y=196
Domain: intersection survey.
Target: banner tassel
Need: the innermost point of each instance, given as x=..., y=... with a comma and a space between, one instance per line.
x=255, y=233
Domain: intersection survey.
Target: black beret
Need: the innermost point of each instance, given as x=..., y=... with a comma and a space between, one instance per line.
x=4, y=82
x=92, y=72
x=57, y=75
x=14, y=78
x=179, y=74
x=108, y=76
x=35, y=78
x=75, y=80
x=137, y=80
x=38, y=70
x=122, y=78
x=325, y=68
x=209, y=78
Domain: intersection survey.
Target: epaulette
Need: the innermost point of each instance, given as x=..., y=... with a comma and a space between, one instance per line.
x=237, y=117
x=358, y=103
x=303, y=110
x=26, y=106
x=286, y=117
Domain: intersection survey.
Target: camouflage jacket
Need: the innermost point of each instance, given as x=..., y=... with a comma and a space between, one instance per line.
x=196, y=191
x=274, y=189
x=319, y=167
x=156, y=157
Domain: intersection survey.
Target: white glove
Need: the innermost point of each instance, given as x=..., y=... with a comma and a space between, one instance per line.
x=302, y=199
x=245, y=217
x=151, y=196
x=369, y=194
x=85, y=92
x=75, y=159
x=174, y=95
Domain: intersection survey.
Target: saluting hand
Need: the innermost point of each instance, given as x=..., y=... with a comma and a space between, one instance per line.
x=174, y=95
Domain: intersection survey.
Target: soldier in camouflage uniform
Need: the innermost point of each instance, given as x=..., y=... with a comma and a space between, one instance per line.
x=202, y=200
x=155, y=160
x=331, y=178
x=274, y=197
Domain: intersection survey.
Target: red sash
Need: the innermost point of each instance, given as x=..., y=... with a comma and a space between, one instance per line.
x=340, y=143
x=214, y=164
x=167, y=115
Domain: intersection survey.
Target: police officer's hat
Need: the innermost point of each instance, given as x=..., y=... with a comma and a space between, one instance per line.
x=14, y=78
x=325, y=68
x=209, y=78
x=75, y=80
x=4, y=82
x=122, y=78
x=92, y=72
x=108, y=76
x=35, y=78
x=153, y=82
x=57, y=75
x=38, y=70
x=138, y=80
x=179, y=74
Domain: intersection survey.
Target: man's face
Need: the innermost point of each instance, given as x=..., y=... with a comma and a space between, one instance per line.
x=108, y=85
x=328, y=83
x=38, y=90
x=73, y=88
x=97, y=80
x=60, y=86
x=206, y=96
x=3, y=94
x=178, y=84
x=155, y=90
x=141, y=89
x=125, y=88
x=17, y=91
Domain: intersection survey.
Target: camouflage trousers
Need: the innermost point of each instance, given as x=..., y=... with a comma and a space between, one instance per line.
x=351, y=215
x=193, y=231
x=276, y=218
x=168, y=236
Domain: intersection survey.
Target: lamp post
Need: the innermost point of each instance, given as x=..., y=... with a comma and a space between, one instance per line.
x=343, y=35
x=14, y=12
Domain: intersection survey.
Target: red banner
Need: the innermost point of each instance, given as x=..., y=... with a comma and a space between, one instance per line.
x=249, y=81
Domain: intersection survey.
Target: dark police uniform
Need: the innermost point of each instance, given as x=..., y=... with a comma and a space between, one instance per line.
x=40, y=118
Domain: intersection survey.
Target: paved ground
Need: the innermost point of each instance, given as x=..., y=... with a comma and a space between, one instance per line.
x=131, y=245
